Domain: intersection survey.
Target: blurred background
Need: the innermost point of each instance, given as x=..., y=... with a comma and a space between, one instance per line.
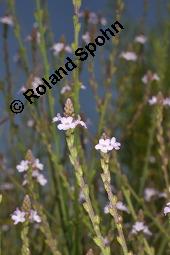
x=113, y=97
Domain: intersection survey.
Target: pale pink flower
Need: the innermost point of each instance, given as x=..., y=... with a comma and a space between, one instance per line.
x=41, y=179
x=8, y=20
x=162, y=195
x=68, y=122
x=153, y=100
x=81, y=197
x=129, y=56
x=149, y=193
x=35, y=35
x=57, y=118
x=106, y=209
x=37, y=164
x=150, y=77
x=139, y=226
x=35, y=83
x=30, y=123
x=83, y=86
x=166, y=101
x=59, y=47
x=34, y=217
x=68, y=49
x=106, y=145
x=167, y=208
x=23, y=166
x=86, y=37
x=22, y=89
x=93, y=18
x=103, y=21
x=65, y=89
x=37, y=167
x=18, y=216
x=141, y=39
x=115, y=144
x=120, y=206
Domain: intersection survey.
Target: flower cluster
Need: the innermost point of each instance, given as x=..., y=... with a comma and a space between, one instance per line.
x=8, y=20
x=149, y=76
x=129, y=56
x=37, y=167
x=107, y=144
x=167, y=208
x=149, y=193
x=68, y=122
x=68, y=88
x=154, y=100
x=139, y=226
x=119, y=205
x=86, y=37
x=93, y=18
x=141, y=39
x=59, y=47
x=21, y=216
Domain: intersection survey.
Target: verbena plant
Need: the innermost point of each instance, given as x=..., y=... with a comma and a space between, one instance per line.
x=98, y=194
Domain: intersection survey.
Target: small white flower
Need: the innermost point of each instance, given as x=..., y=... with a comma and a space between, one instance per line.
x=83, y=86
x=22, y=89
x=18, y=216
x=65, y=89
x=30, y=123
x=141, y=39
x=8, y=20
x=93, y=18
x=139, y=226
x=150, y=77
x=152, y=159
x=106, y=209
x=68, y=49
x=86, y=37
x=36, y=37
x=34, y=216
x=41, y=179
x=35, y=83
x=167, y=209
x=38, y=165
x=81, y=197
x=115, y=144
x=153, y=100
x=80, y=122
x=149, y=193
x=106, y=145
x=57, y=118
x=120, y=206
x=103, y=21
x=162, y=195
x=23, y=166
x=129, y=56
x=68, y=122
x=166, y=101
x=59, y=47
